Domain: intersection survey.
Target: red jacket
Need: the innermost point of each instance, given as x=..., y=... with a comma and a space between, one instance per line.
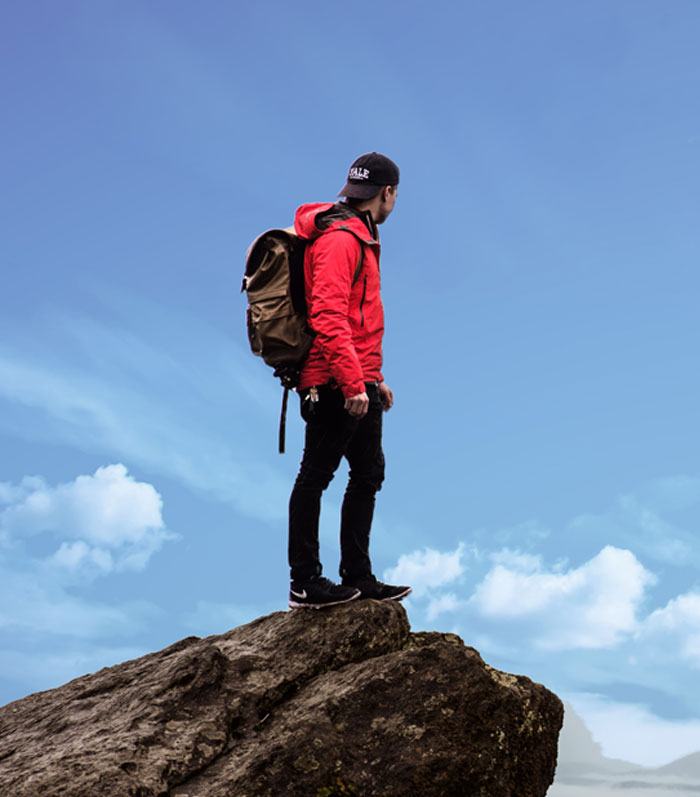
x=348, y=319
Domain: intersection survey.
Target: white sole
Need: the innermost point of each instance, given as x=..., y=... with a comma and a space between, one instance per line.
x=295, y=605
x=399, y=597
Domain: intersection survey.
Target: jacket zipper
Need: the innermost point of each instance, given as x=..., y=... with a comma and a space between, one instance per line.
x=362, y=302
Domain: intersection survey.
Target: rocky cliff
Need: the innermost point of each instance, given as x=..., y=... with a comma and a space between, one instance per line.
x=345, y=701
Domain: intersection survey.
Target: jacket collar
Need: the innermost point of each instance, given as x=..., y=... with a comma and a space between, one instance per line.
x=340, y=213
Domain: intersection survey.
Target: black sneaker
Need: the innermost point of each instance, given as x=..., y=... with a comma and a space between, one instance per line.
x=371, y=588
x=319, y=592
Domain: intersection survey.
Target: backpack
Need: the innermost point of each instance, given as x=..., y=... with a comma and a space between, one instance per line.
x=276, y=316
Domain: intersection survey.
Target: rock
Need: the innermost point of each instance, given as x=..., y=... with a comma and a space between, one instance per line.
x=344, y=701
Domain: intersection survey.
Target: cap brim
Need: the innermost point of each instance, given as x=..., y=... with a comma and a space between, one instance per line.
x=359, y=190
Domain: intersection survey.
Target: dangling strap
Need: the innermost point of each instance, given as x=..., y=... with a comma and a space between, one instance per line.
x=283, y=420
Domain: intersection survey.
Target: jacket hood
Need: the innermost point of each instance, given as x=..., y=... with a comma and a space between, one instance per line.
x=318, y=218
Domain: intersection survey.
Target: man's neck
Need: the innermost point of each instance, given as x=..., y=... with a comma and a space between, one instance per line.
x=364, y=213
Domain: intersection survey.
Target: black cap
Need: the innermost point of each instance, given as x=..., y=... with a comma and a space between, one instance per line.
x=368, y=174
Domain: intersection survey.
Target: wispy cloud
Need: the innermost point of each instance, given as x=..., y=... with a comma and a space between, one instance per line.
x=649, y=521
x=32, y=602
x=156, y=400
x=442, y=604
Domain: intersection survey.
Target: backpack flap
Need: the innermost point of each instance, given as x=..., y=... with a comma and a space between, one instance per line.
x=276, y=315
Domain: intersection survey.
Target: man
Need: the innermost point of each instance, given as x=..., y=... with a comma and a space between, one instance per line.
x=342, y=390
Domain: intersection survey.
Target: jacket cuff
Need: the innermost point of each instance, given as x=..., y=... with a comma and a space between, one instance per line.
x=353, y=389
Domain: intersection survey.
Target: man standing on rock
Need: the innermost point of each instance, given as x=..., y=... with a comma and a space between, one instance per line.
x=342, y=390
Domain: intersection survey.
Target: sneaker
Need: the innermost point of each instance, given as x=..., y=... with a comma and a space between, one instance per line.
x=371, y=588
x=316, y=593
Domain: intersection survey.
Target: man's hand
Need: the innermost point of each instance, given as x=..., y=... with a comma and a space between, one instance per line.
x=357, y=405
x=386, y=396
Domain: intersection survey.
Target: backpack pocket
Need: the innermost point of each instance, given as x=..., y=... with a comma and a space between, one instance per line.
x=275, y=332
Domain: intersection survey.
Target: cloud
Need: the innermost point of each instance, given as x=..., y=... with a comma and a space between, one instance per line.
x=106, y=522
x=427, y=569
x=591, y=606
x=675, y=629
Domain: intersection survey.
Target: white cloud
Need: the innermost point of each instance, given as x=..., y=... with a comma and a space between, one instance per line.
x=98, y=524
x=107, y=521
x=592, y=606
x=427, y=569
x=72, y=555
x=516, y=560
x=633, y=733
x=676, y=628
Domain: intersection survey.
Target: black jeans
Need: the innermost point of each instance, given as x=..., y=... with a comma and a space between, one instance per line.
x=331, y=434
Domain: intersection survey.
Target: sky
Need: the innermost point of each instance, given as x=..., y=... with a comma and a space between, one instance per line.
x=539, y=277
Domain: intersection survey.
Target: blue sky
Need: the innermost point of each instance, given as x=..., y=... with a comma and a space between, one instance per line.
x=540, y=286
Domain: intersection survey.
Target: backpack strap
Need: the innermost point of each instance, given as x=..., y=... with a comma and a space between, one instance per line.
x=361, y=261
x=283, y=420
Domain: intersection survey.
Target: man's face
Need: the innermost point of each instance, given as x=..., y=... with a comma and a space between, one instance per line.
x=389, y=195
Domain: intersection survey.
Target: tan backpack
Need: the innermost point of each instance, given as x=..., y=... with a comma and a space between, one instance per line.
x=276, y=317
